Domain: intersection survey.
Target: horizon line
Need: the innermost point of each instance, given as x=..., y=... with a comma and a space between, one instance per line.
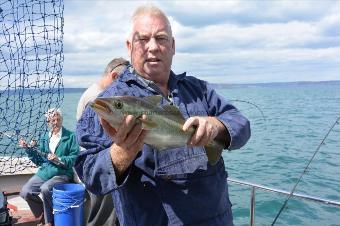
x=252, y=83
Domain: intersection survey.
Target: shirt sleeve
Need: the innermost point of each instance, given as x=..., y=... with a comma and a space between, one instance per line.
x=70, y=158
x=35, y=157
x=93, y=165
x=42, y=147
x=237, y=125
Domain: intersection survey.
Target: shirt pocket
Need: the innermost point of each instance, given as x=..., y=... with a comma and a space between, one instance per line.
x=181, y=160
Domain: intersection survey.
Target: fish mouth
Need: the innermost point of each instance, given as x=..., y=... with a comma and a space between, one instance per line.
x=101, y=106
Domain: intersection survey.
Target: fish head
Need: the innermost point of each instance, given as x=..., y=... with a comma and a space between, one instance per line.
x=114, y=109
x=110, y=109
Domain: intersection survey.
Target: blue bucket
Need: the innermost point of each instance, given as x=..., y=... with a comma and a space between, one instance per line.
x=68, y=204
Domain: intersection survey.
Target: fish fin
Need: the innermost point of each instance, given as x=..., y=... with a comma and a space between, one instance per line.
x=148, y=124
x=213, y=154
x=174, y=112
x=155, y=99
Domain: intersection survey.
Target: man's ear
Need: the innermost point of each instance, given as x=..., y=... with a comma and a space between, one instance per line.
x=113, y=75
x=129, y=47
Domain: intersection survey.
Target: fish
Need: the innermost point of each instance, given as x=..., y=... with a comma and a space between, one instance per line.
x=164, y=123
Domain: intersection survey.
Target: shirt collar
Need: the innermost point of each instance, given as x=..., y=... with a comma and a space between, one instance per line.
x=131, y=75
x=58, y=135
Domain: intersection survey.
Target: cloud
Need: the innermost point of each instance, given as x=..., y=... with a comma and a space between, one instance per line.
x=80, y=81
x=220, y=41
x=202, y=13
x=330, y=24
x=228, y=36
x=94, y=26
x=259, y=65
x=88, y=63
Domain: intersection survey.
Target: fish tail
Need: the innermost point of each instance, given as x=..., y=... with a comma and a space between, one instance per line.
x=213, y=153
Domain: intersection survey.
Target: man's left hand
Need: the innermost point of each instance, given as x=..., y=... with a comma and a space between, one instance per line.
x=52, y=157
x=207, y=129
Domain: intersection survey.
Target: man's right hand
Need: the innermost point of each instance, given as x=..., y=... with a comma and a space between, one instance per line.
x=128, y=141
x=22, y=143
x=33, y=143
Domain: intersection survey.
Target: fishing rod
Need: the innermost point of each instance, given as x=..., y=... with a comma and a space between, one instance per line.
x=56, y=162
x=304, y=171
x=8, y=135
x=248, y=102
x=34, y=148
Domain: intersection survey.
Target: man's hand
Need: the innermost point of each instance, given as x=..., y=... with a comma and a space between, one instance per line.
x=33, y=143
x=23, y=143
x=52, y=157
x=208, y=128
x=128, y=141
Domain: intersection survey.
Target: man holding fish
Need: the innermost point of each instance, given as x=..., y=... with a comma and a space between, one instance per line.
x=154, y=139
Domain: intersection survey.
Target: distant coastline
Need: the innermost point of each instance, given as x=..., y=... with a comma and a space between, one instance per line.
x=216, y=85
x=275, y=84
x=74, y=90
x=224, y=85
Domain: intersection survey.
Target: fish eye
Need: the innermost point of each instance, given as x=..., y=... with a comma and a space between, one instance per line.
x=118, y=104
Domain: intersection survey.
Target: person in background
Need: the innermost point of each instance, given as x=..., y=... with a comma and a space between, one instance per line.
x=61, y=148
x=169, y=187
x=101, y=210
x=112, y=70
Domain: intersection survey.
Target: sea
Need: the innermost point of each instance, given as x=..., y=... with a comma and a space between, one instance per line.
x=289, y=123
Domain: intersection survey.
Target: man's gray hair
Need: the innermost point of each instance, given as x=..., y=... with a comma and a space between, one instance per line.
x=149, y=9
x=118, y=65
x=52, y=111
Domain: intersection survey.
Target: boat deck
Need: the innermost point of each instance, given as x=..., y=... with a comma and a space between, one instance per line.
x=20, y=212
x=20, y=218
x=11, y=184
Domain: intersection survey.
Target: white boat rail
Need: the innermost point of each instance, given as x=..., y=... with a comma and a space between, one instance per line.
x=254, y=186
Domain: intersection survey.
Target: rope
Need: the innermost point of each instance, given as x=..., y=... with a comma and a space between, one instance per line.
x=75, y=204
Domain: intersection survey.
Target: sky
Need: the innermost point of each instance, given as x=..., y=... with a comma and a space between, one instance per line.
x=228, y=42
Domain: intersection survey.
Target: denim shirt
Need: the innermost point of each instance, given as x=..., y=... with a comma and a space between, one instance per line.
x=172, y=187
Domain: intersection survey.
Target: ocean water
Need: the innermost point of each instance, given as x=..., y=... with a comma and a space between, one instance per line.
x=288, y=123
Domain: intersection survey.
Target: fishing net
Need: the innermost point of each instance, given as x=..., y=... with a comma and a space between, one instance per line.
x=31, y=59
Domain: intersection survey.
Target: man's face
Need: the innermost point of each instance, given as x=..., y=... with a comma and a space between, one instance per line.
x=54, y=121
x=151, y=47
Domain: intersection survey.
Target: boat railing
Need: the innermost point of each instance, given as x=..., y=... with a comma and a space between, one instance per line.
x=254, y=186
